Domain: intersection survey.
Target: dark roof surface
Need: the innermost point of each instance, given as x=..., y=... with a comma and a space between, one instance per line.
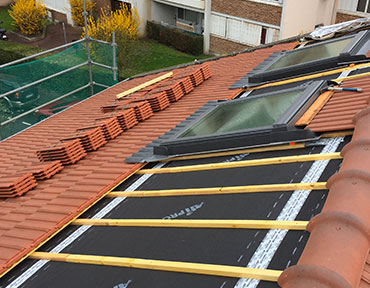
x=214, y=246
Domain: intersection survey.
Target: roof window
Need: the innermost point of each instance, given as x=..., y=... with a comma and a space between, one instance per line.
x=309, y=59
x=258, y=119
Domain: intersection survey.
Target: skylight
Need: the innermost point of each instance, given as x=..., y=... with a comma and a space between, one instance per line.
x=244, y=114
x=308, y=60
x=262, y=118
x=311, y=53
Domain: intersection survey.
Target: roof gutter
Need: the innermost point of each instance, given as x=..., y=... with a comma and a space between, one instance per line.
x=339, y=243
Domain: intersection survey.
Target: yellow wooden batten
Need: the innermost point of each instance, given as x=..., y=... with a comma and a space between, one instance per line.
x=236, y=152
x=185, y=267
x=246, y=163
x=312, y=76
x=230, y=224
x=221, y=190
x=146, y=84
x=352, y=77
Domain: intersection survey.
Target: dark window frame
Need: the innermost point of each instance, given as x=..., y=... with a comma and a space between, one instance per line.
x=354, y=51
x=280, y=131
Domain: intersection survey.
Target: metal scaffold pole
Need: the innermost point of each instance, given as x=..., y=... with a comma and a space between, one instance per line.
x=114, y=45
x=87, y=39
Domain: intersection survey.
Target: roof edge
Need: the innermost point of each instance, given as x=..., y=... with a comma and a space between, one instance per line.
x=339, y=239
x=199, y=62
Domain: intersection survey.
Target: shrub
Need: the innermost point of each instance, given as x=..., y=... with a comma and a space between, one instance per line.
x=77, y=9
x=181, y=40
x=125, y=22
x=28, y=15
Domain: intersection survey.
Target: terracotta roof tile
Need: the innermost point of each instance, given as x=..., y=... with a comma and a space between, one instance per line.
x=365, y=279
x=337, y=114
x=345, y=216
x=104, y=167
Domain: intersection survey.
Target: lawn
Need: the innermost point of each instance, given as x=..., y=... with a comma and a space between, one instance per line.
x=10, y=51
x=149, y=55
x=7, y=20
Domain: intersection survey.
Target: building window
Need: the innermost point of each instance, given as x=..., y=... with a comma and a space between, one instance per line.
x=241, y=31
x=363, y=6
x=263, y=35
x=116, y=4
x=189, y=20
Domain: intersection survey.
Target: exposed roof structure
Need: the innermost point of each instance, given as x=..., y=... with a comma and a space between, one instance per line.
x=71, y=169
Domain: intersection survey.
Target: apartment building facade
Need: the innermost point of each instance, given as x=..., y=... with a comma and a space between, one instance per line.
x=235, y=25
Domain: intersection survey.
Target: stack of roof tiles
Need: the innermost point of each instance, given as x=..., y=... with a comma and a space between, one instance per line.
x=109, y=108
x=110, y=127
x=91, y=139
x=68, y=152
x=126, y=118
x=173, y=90
x=142, y=109
x=42, y=171
x=186, y=84
x=196, y=77
x=158, y=101
x=206, y=73
x=16, y=185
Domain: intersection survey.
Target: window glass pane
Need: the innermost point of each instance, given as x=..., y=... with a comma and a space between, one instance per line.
x=180, y=13
x=191, y=16
x=240, y=115
x=314, y=53
x=361, y=5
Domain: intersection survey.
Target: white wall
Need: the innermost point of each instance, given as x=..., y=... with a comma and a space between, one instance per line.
x=348, y=5
x=144, y=9
x=197, y=4
x=163, y=13
x=301, y=16
x=61, y=6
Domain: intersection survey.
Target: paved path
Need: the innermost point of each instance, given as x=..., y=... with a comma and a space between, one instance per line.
x=54, y=36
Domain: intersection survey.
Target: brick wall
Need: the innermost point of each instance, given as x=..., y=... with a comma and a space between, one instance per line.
x=341, y=17
x=57, y=16
x=249, y=10
x=222, y=46
x=5, y=2
x=102, y=4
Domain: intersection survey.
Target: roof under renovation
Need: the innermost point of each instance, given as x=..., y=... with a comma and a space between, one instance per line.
x=250, y=170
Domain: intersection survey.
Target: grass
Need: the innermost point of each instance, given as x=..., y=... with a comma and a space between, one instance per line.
x=148, y=55
x=7, y=20
x=10, y=51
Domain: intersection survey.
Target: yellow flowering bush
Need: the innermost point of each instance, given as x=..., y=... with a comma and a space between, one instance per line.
x=124, y=21
x=28, y=15
x=78, y=8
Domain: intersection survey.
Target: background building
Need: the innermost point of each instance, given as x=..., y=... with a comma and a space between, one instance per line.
x=234, y=25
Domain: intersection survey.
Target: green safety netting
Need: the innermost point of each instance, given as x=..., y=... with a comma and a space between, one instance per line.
x=49, y=93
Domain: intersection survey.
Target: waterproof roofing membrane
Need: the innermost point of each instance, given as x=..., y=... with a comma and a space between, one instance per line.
x=148, y=184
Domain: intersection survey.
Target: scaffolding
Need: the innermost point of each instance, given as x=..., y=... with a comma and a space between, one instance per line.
x=30, y=90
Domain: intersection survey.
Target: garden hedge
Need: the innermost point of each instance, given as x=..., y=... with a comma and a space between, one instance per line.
x=184, y=41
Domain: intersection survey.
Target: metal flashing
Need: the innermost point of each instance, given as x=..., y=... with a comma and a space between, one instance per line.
x=353, y=51
x=281, y=131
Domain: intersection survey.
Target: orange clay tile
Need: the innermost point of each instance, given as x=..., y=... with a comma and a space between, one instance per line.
x=338, y=112
x=106, y=163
